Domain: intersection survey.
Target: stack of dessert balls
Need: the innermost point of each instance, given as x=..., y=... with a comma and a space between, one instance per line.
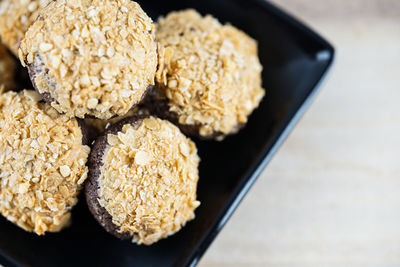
x=115, y=97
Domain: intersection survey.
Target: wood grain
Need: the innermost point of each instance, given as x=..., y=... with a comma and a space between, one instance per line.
x=331, y=196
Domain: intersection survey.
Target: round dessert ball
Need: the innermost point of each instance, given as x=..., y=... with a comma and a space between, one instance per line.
x=209, y=79
x=143, y=175
x=7, y=69
x=16, y=16
x=42, y=163
x=91, y=57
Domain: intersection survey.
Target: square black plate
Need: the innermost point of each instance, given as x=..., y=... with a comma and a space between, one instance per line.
x=295, y=59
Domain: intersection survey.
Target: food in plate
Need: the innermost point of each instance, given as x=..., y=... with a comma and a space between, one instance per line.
x=103, y=71
x=42, y=163
x=91, y=57
x=209, y=77
x=143, y=175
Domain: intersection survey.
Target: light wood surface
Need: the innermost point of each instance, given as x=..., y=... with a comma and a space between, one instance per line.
x=331, y=195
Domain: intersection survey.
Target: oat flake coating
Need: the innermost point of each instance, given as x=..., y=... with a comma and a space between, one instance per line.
x=94, y=57
x=148, y=180
x=42, y=163
x=211, y=75
x=7, y=69
x=15, y=18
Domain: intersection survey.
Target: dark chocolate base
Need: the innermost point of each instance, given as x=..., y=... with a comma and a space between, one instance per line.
x=34, y=70
x=92, y=186
x=159, y=106
x=85, y=132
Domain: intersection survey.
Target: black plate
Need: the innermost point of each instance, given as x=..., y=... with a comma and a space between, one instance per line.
x=295, y=60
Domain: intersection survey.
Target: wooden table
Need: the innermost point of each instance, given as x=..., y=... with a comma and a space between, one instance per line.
x=331, y=196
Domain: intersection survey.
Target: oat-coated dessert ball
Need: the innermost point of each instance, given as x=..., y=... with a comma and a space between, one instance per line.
x=15, y=18
x=42, y=163
x=7, y=69
x=143, y=175
x=209, y=79
x=91, y=57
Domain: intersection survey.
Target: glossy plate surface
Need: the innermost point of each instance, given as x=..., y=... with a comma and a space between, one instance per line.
x=295, y=60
